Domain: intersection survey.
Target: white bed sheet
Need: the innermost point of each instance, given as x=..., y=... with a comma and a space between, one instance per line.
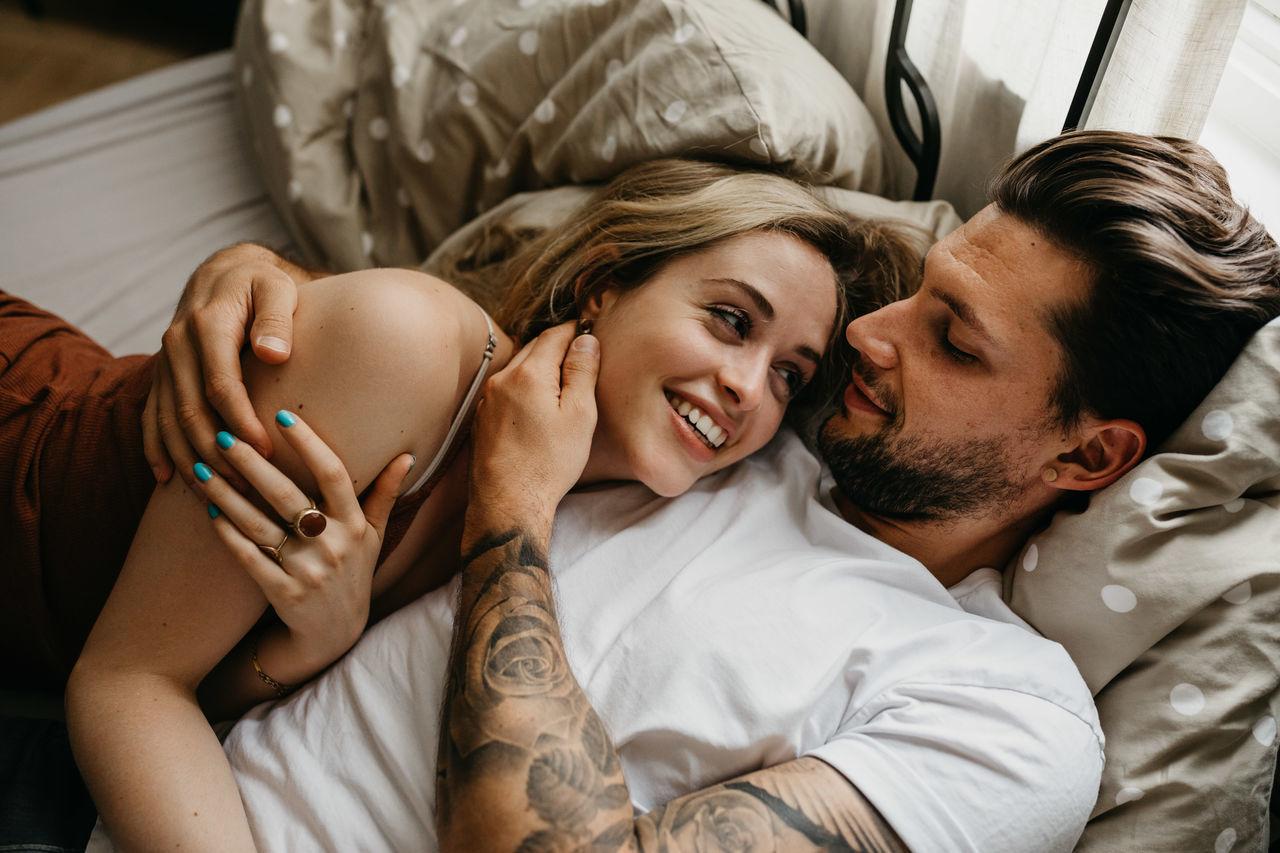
x=109, y=201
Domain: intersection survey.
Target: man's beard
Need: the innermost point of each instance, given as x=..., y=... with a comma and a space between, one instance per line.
x=915, y=479
x=918, y=478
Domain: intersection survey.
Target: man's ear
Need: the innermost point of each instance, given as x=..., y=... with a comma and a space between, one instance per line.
x=1107, y=450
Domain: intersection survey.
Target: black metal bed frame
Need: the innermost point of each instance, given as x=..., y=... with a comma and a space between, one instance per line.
x=924, y=147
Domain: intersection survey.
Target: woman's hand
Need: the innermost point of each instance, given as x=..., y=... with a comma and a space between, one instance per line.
x=532, y=432
x=197, y=375
x=315, y=569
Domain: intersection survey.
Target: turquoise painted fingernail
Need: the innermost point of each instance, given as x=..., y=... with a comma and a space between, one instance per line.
x=203, y=472
x=411, y=464
x=214, y=512
x=226, y=440
x=285, y=418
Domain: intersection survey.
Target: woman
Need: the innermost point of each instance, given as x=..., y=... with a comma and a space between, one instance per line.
x=708, y=288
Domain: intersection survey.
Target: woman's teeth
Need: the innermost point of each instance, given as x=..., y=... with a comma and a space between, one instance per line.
x=707, y=429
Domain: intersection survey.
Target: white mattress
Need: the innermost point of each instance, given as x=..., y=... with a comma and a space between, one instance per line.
x=109, y=201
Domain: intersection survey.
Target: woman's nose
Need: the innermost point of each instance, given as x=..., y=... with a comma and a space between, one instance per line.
x=745, y=382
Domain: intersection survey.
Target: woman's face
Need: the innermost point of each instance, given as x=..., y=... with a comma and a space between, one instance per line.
x=733, y=332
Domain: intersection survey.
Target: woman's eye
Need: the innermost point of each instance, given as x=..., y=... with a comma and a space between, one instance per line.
x=735, y=319
x=956, y=354
x=795, y=380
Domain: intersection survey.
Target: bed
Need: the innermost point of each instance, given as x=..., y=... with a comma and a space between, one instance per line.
x=371, y=135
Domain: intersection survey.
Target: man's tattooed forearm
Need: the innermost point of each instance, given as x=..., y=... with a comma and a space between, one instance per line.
x=518, y=731
x=525, y=763
x=822, y=838
x=488, y=542
x=741, y=815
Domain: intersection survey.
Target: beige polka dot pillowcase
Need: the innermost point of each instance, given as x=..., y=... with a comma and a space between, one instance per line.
x=382, y=127
x=1166, y=592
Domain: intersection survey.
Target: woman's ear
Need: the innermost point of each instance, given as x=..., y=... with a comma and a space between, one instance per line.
x=595, y=302
x=590, y=296
x=1107, y=450
x=590, y=303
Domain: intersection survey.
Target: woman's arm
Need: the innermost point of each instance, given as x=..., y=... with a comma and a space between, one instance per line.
x=322, y=593
x=380, y=365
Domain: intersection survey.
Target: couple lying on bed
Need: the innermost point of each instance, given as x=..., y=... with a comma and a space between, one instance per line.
x=757, y=622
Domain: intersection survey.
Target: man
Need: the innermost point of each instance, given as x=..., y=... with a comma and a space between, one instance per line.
x=1057, y=334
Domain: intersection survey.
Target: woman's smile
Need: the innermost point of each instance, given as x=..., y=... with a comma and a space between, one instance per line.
x=700, y=420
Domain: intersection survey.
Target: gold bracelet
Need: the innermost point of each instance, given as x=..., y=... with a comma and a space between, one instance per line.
x=280, y=689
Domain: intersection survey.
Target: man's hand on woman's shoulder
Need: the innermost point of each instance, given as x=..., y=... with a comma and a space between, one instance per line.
x=197, y=387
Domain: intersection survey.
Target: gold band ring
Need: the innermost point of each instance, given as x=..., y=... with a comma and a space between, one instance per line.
x=274, y=553
x=309, y=522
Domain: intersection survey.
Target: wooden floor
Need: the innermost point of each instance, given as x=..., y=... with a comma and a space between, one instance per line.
x=76, y=47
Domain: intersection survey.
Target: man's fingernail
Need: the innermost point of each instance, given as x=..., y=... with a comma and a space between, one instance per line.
x=226, y=440
x=273, y=343
x=214, y=512
x=285, y=418
x=586, y=343
x=203, y=472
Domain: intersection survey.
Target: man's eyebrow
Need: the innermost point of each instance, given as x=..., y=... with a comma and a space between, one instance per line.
x=963, y=311
x=765, y=307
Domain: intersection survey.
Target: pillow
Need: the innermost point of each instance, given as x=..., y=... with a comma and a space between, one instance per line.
x=381, y=128
x=1166, y=592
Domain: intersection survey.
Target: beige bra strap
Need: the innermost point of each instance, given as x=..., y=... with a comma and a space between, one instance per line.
x=463, y=411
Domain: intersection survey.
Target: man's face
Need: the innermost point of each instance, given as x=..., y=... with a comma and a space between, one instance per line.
x=948, y=413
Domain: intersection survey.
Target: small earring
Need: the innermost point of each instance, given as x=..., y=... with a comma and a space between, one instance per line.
x=1049, y=474
x=584, y=326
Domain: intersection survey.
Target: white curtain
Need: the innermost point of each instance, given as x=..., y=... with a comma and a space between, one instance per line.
x=1004, y=72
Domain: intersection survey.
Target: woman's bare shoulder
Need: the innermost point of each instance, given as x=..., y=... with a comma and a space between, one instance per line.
x=381, y=360
x=406, y=326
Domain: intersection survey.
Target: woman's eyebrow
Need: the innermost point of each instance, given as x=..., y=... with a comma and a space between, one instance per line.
x=764, y=306
x=809, y=353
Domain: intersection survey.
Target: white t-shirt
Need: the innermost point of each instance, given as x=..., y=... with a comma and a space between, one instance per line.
x=741, y=625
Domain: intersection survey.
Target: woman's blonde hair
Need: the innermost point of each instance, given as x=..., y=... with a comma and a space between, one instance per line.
x=658, y=211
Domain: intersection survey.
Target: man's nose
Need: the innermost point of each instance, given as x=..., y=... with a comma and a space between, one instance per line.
x=873, y=336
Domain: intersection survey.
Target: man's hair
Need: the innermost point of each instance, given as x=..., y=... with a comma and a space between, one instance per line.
x=661, y=210
x=1182, y=273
